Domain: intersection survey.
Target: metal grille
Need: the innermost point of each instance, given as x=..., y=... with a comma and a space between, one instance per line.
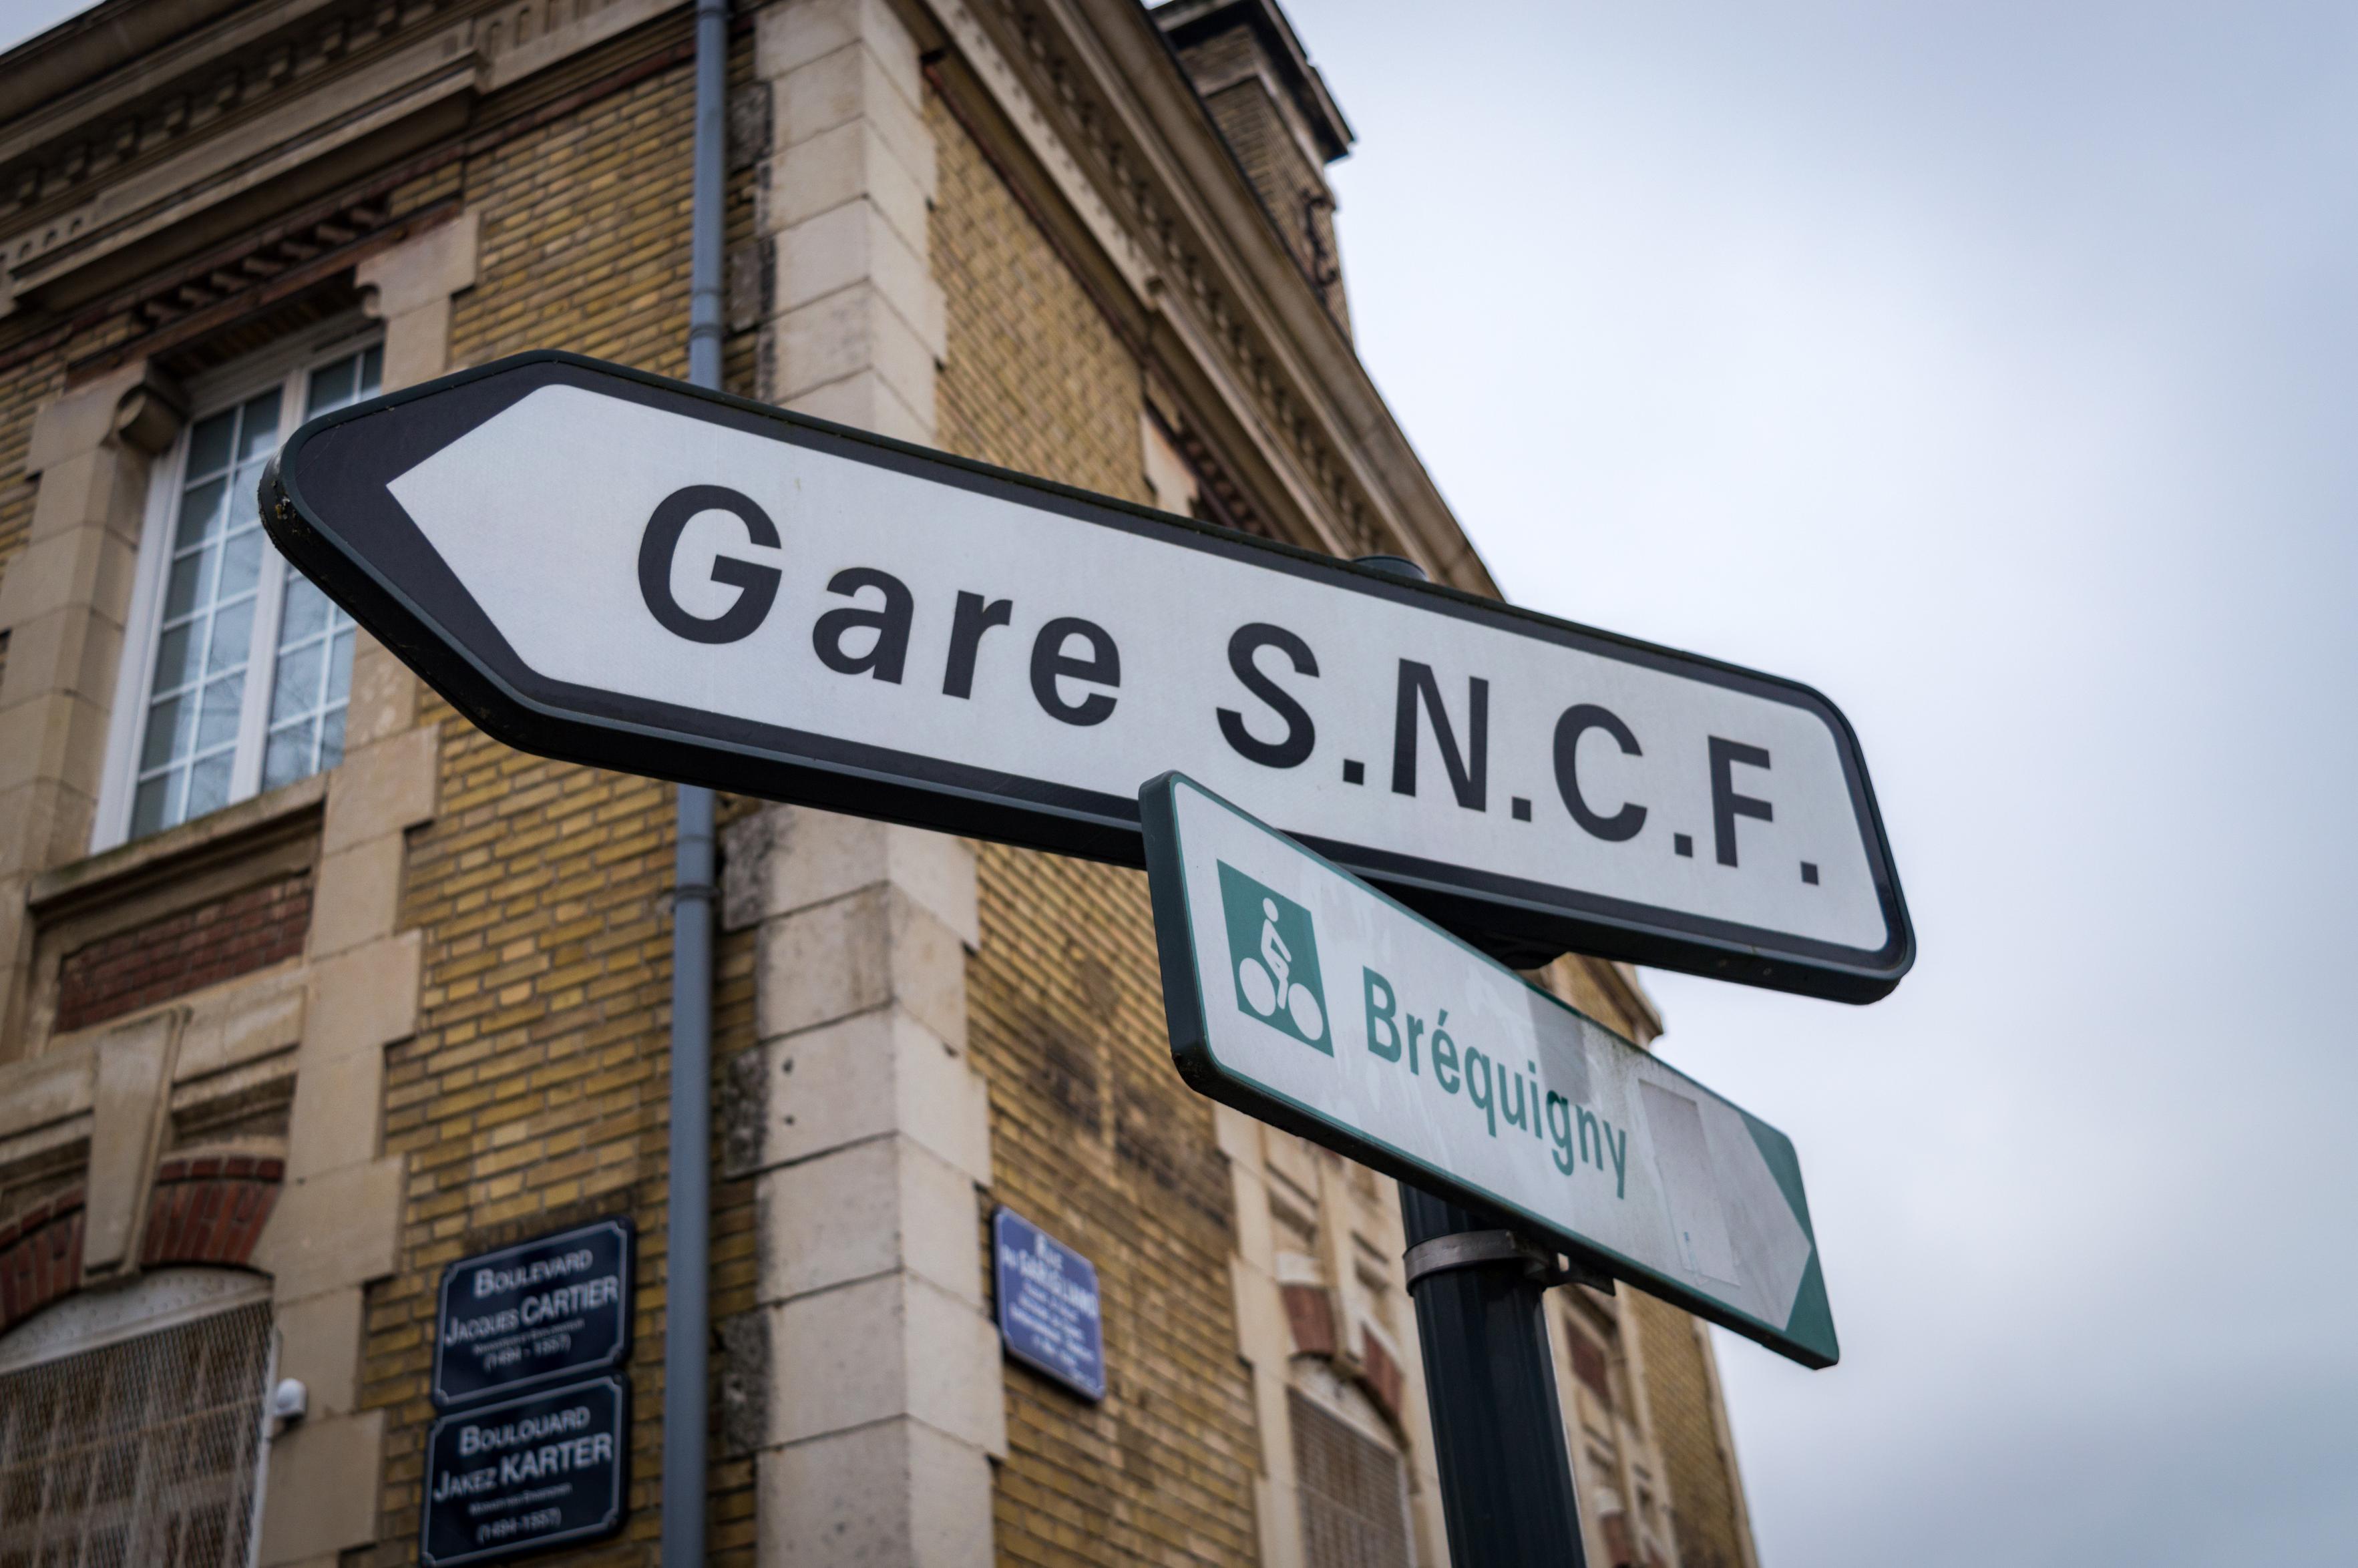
x=1354, y=1505
x=143, y=1453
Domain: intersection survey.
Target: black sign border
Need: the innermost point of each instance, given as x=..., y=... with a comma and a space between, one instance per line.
x=998, y=1308
x=609, y=1526
x=629, y=1232
x=401, y=591
x=1191, y=1052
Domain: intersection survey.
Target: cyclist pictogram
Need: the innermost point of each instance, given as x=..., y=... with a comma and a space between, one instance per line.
x=1276, y=957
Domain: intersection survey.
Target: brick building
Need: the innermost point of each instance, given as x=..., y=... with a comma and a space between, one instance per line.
x=307, y=988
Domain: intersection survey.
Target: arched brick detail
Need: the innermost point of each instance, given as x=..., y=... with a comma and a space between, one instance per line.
x=1380, y=1376
x=209, y=1208
x=40, y=1256
x=1310, y=1312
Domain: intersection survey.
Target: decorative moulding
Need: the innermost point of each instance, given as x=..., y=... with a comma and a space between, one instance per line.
x=238, y=112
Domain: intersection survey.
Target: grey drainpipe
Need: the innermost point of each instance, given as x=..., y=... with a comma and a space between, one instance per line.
x=688, y=1221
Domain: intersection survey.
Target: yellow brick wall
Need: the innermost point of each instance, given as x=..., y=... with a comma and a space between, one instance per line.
x=1093, y=1135
x=535, y=1091
x=22, y=391
x=1704, y=1504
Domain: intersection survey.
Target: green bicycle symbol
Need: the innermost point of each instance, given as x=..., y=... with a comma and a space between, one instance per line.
x=1277, y=970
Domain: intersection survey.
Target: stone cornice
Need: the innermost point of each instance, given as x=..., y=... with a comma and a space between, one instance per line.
x=1142, y=166
x=246, y=98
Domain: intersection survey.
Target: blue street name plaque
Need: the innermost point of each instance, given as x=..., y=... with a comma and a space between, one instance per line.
x=1048, y=1314
x=520, y=1475
x=540, y=1311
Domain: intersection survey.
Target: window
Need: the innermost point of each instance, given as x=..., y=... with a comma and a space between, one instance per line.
x=139, y=1445
x=239, y=674
x=1354, y=1495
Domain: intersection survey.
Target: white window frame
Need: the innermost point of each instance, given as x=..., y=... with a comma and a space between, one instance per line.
x=287, y=366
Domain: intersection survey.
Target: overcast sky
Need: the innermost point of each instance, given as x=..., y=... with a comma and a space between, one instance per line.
x=1992, y=367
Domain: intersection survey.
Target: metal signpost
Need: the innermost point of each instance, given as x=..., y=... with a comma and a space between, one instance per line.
x=619, y=570
x=607, y=566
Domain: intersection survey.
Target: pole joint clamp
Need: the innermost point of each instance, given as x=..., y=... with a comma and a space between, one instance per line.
x=1478, y=1248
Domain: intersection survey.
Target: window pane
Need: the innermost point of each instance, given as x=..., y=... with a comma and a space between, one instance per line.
x=232, y=638
x=208, y=785
x=240, y=562
x=168, y=723
x=306, y=610
x=257, y=427
x=201, y=511
x=310, y=686
x=187, y=584
x=290, y=753
x=244, y=497
x=331, y=387
x=152, y=807
x=297, y=689
x=346, y=381
x=209, y=443
x=217, y=722
x=174, y=660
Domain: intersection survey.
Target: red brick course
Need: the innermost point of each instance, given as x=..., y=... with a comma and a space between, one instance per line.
x=40, y=1256
x=1381, y=1376
x=1310, y=1312
x=196, y=947
x=209, y=1208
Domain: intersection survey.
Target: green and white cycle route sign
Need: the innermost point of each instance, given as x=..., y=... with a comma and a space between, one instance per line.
x=1300, y=995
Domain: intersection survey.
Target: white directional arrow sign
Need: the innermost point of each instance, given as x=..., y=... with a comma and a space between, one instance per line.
x=604, y=565
x=1300, y=995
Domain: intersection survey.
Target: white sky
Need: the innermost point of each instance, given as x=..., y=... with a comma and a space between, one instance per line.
x=1992, y=367
x=1989, y=366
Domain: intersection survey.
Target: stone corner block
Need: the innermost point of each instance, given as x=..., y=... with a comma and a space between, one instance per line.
x=383, y=694
x=319, y=1343
x=787, y=859
x=894, y=1493
x=425, y=269
x=356, y=898
x=326, y=1479
x=866, y=402
x=866, y=1210
x=887, y=1348
x=859, y=1079
x=339, y=1106
x=383, y=788
x=336, y=1230
x=788, y=37
x=82, y=420
x=869, y=949
x=365, y=997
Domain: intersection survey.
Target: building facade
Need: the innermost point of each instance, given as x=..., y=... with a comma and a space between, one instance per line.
x=307, y=988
